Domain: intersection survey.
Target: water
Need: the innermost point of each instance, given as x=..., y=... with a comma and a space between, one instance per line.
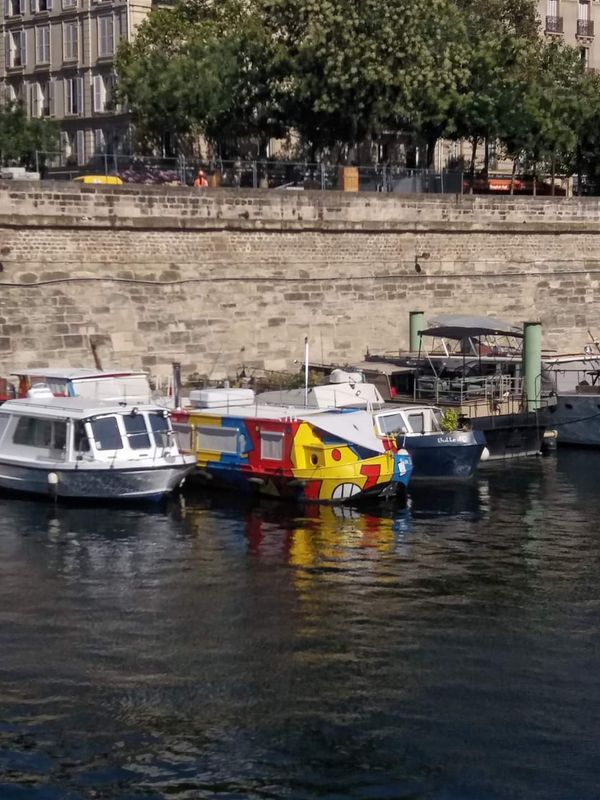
x=211, y=650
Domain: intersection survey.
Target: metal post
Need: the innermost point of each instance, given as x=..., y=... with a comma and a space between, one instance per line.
x=306, y=370
x=322, y=167
x=105, y=163
x=176, y=366
x=416, y=324
x=532, y=363
x=254, y=176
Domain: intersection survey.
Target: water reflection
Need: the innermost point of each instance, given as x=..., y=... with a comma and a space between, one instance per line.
x=230, y=649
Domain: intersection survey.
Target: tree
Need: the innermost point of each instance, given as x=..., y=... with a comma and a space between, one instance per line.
x=200, y=68
x=21, y=137
x=347, y=71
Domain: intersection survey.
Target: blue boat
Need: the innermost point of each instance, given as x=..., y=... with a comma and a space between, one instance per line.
x=435, y=452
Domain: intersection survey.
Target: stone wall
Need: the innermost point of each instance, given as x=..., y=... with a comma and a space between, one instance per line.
x=217, y=279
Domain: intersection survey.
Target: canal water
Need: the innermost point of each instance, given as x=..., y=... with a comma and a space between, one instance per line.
x=449, y=651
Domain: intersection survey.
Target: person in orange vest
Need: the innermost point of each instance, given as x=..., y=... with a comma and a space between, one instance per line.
x=201, y=182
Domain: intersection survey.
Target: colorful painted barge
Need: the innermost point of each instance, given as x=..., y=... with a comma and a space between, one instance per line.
x=302, y=454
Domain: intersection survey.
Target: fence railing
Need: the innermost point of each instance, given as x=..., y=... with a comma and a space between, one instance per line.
x=238, y=173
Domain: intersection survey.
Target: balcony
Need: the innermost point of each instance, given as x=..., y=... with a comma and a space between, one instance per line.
x=554, y=24
x=585, y=27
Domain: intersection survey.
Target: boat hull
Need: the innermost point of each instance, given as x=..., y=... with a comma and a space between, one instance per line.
x=381, y=477
x=455, y=455
x=576, y=419
x=137, y=483
x=512, y=435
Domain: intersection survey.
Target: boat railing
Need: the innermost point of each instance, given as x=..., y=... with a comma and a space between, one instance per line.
x=493, y=390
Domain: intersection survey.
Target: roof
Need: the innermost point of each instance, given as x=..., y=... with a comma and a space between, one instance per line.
x=77, y=373
x=72, y=407
x=356, y=425
x=463, y=326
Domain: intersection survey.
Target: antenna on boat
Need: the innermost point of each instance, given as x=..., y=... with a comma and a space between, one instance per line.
x=306, y=371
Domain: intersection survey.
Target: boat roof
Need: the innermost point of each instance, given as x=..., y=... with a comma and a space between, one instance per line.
x=382, y=367
x=354, y=425
x=464, y=326
x=71, y=407
x=75, y=373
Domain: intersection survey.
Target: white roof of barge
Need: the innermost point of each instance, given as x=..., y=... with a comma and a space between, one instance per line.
x=70, y=407
x=76, y=373
x=354, y=425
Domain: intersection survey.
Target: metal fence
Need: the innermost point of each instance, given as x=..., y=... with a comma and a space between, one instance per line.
x=257, y=174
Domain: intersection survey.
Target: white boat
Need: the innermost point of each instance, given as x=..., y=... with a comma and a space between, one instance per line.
x=70, y=447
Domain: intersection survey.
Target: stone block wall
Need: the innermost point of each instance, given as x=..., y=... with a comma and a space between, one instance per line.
x=223, y=278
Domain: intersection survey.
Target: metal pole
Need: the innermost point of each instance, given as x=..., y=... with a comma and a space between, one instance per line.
x=105, y=163
x=532, y=363
x=37, y=162
x=306, y=370
x=254, y=176
x=416, y=324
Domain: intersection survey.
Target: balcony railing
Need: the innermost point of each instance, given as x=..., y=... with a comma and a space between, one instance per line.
x=554, y=24
x=585, y=27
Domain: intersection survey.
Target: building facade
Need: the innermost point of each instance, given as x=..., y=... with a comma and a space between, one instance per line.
x=58, y=61
x=572, y=21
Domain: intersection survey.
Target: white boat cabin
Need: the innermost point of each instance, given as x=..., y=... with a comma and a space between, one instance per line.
x=410, y=420
x=71, y=429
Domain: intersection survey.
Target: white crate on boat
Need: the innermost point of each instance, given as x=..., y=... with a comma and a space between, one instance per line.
x=216, y=398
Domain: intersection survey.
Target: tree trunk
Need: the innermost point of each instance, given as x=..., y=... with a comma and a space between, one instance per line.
x=512, y=177
x=431, y=143
x=472, y=170
x=553, y=171
x=486, y=158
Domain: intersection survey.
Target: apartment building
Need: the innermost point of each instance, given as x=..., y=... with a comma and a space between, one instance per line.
x=59, y=62
x=572, y=21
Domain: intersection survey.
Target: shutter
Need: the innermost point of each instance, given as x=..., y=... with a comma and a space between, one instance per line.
x=79, y=89
x=7, y=50
x=23, y=49
x=51, y=89
x=68, y=95
x=110, y=24
x=7, y=8
x=80, y=145
x=32, y=6
x=21, y=6
x=98, y=86
x=49, y=5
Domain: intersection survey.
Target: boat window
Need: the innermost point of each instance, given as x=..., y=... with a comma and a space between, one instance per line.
x=221, y=440
x=160, y=428
x=46, y=433
x=417, y=423
x=271, y=445
x=106, y=434
x=81, y=442
x=391, y=423
x=137, y=433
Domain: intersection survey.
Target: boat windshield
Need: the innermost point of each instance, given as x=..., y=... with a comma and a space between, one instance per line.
x=161, y=428
x=106, y=433
x=136, y=431
x=391, y=423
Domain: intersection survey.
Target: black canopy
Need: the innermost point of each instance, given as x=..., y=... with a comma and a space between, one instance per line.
x=465, y=326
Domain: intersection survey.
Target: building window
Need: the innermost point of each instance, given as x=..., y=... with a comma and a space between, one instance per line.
x=42, y=99
x=103, y=89
x=73, y=96
x=14, y=8
x=552, y=8
x=70, y=41
x=105, y=36
x=15, y=49
x=42, y=45
x=40, y=6
x=99, y=142
x=69, y=4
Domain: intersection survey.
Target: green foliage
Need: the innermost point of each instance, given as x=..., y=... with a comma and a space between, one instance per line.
x=20, y=137
x=343, y=73
x=450, y=420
